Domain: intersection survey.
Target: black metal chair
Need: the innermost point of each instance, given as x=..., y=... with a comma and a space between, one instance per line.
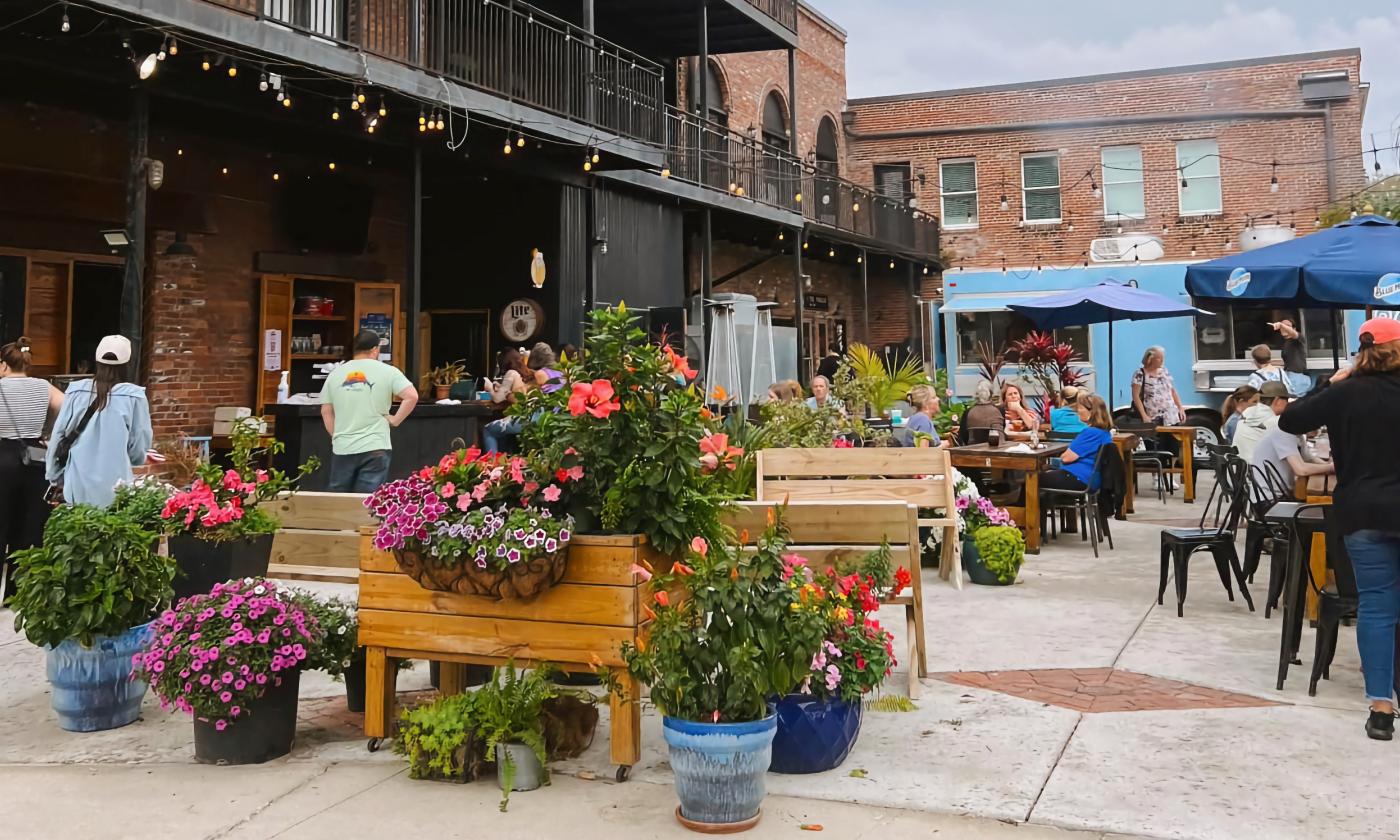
x=1149, y=457
x=1178, y=544
x=1267, y=489
x=1335, y=601
x=1092, y=523
x=1306, y=521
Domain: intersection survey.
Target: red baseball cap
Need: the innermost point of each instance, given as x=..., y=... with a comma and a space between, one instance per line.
x=1380, y=331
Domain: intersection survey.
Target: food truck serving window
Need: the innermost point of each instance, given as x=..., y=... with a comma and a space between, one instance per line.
x=1231, y=333
x=999, y=328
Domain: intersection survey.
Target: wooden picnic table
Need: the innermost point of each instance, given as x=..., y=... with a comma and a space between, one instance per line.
x=1186, y=435
x=984, y=456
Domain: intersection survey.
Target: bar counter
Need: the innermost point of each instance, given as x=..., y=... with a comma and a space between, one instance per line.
x=427, y=434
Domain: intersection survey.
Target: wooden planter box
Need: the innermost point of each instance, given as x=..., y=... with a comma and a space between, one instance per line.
x=588, y=614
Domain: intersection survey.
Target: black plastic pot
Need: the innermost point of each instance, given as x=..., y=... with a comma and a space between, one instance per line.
x=263, y=732
x=200, y=564
x=355, y=684
x=476, y=674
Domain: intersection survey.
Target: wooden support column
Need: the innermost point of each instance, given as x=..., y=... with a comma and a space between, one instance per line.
x=133, y=280
x=414, y=303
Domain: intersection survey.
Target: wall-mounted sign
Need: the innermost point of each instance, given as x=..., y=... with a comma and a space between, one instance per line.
x=272, y=349
x=816, y=303
x=522, y=320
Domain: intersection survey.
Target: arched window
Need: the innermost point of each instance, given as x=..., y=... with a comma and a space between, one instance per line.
x=718, y=110
x=775, y=121
x=826, y=146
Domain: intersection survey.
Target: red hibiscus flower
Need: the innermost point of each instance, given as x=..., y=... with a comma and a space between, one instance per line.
x=901, y=580
x=679, y=364
x=597, y=398
x=715, y=452
x=662, y=599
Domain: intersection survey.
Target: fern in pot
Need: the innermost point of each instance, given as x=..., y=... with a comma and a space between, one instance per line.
x=87, y=596
x=509, y=722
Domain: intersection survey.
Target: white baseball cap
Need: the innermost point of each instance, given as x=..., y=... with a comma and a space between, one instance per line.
x=114, y=350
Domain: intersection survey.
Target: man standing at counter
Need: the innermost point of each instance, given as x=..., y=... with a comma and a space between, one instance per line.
x=355, y=403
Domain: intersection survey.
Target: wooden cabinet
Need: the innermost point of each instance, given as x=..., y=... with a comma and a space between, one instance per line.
x=306, y=338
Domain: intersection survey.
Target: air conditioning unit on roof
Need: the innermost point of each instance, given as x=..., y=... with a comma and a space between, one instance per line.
x=1126, y=248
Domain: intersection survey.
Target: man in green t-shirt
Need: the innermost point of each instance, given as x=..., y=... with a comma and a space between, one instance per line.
x=355, y=404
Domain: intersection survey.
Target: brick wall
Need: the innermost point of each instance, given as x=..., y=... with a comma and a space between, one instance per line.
x=991, y=126
x=747, y=79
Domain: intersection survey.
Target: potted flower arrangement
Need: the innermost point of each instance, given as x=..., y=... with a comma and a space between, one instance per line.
x=510, y=725
x=440, y=739
x=634, y=417
x=478, y=524
x=338, y=654
x=729, y=634
x=218, y=528
x=442, y=378
x=992, y=545
x=232, y=660
x=818, y=724
x=87, y=595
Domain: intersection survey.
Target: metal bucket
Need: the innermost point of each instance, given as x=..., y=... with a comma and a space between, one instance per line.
x=92, y=687
x=529, y=773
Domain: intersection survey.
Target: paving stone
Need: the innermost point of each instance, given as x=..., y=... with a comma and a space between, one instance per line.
x=1104, y=690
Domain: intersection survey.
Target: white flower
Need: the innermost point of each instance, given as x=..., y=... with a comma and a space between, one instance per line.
x=259, y=589
x=341, y=630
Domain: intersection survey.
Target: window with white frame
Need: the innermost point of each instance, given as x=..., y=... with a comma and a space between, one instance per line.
x=957, y=183
x=1040, y=187
x=1122, y=182
x=997, y=329
x=1199, y=187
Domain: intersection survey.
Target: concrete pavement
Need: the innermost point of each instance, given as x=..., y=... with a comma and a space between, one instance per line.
x=970, y=762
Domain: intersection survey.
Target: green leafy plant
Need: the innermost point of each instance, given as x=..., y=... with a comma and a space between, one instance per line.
x=96, y=574
x=795, y=424
x=950, y=412
x=1002, y=548
x=509, y=709
x=142, y=501
x=865, y=380
x=729, y=632
x=439, y=739
x=636, y=427
x=339, y=644
x=447, y=374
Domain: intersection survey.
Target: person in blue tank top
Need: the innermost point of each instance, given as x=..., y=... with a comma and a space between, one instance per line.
x=1076, y=468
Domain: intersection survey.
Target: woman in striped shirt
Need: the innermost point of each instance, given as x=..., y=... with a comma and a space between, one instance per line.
x=27, y=408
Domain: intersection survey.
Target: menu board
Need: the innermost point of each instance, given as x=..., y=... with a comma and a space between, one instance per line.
x=383, y=326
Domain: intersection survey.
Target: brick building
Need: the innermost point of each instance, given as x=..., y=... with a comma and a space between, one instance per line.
x=1054, y=184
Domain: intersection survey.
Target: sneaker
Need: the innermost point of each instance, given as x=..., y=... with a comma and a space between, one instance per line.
x=1380, y=726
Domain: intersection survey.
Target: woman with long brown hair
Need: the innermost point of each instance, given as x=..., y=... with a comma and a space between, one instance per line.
x=103, y=430
x=516, y=378
x=1076, y=470
x=27, y=406
x=1359, y=405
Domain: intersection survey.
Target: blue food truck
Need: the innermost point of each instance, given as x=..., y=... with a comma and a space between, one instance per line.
x=1208, y=356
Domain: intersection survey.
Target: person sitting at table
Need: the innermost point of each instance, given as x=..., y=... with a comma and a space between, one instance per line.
x=1234, y=407
x=1076, y=468
x=786, y=390
x=1281, y=452
x=821, y=395
x=981, y=417
x=516, y=379
x=926, y=405
x=1066, y=417
x=1358, y=405
x=1013, y=410
x=1258, y=420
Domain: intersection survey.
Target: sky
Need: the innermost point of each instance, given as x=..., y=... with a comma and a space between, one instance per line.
x=905, y=46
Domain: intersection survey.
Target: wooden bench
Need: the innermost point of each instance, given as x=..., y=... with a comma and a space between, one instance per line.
x=921, y=476
x=828, y=532
x=319, y=538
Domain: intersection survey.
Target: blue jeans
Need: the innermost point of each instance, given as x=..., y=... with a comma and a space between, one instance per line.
x=1375, y=557
x=362, y=472
x=499, y=435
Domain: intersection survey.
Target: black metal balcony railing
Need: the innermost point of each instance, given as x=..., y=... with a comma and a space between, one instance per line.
x=708, y=154
x=500, y=46
x=782, y=11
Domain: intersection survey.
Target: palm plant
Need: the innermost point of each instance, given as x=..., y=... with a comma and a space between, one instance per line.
x=867, y=380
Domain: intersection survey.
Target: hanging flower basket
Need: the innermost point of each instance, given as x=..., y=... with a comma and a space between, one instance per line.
x=524, y=579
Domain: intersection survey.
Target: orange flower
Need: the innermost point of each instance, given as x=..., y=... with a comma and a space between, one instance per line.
x=680, y=568
x=594, y=660
x=642, y=643
x=700, y=546
x=662, y=598
x=597, y=398
x=706, y=414
x=715, y=450
x=679, y=364
x=734, y=573
x=719, y=395
x=651, y=616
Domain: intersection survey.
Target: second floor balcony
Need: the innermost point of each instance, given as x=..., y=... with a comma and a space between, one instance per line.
x=505, y=48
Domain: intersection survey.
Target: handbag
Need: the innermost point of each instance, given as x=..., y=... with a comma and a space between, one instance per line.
x=64, y=447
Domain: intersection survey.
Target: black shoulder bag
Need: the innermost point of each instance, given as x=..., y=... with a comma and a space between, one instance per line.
x=65, y=446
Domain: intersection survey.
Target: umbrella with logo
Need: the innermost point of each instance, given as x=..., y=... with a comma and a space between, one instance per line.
x=1351, y=265
x=1103, y=303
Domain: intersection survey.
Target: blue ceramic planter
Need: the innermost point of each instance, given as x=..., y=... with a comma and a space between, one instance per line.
x=719, y=767
x=813, y=735
x=92, y=687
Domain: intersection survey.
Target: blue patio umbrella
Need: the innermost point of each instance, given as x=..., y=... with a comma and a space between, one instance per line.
x=1351, y=265
x=1103, y=303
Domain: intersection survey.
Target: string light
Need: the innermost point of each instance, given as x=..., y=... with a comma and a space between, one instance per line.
x=204, y=65
x=224, y=170
x=507, y=149
x=1094, y=186
x=276, y=177
x=355, y=102
x=359, y=97
x=739, y=192
x=281, y=95
x=1273, y=178
x=286, y=94
x=587, y=164
x=441, y=124
x=179, y=152
x=174, y=46
x=1164, y=228
x=372, y=124
x=665, y=171
x=160, y=56
x=1005, y=205
x=232, y=70
x=595, y=155
x=860, y=258
x=1317, y=220
x=831, y=252
x=925, y=270
x=855, y=206
x=1184, y=185
x=799, y=198
x=335, y=113
x=383, y=111
x=520, y=140
x=780, y=236
x=1207, y=229
x=262, y=82
x=331, y=166
x=147, y=68
x=64, y=25
x=891, y=265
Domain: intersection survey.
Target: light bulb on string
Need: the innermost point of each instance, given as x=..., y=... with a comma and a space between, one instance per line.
x=520, y=140
x=281, y=95
x=440, y=123
x=831, y=252
x=587, y=164
x=804, y=245
x=1071, y=226
x=223, y=171
x=233, y=70
x=179, y=152
x=739, y=192
x=355, y=103
x=1184, y=185
x=64, y=25
x=1193, y=250
x=1207, y=228
x=359, y=97
x=860, y=258
x=1164, y=229
x=1119, y=228
x=276, y=176
x=507, y=148
x=891, y=265
x=1273, y=178
x=147, y=67
x=262, y=82
x=1094, y=187
x=855, y=206
x=1004, y=204
x=383, y=111
x=174, y=47
x=331, y=166
x=286, y=96
x=780, y=236
x=665, y=171
x=372, y=125
x=1317, y=220
x=204, y=65
x=160, y=56
x=925, y=270
x=422, y=120
x=798, y=198
x=1229, y=244
x=335, y=113
x=595, y=155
